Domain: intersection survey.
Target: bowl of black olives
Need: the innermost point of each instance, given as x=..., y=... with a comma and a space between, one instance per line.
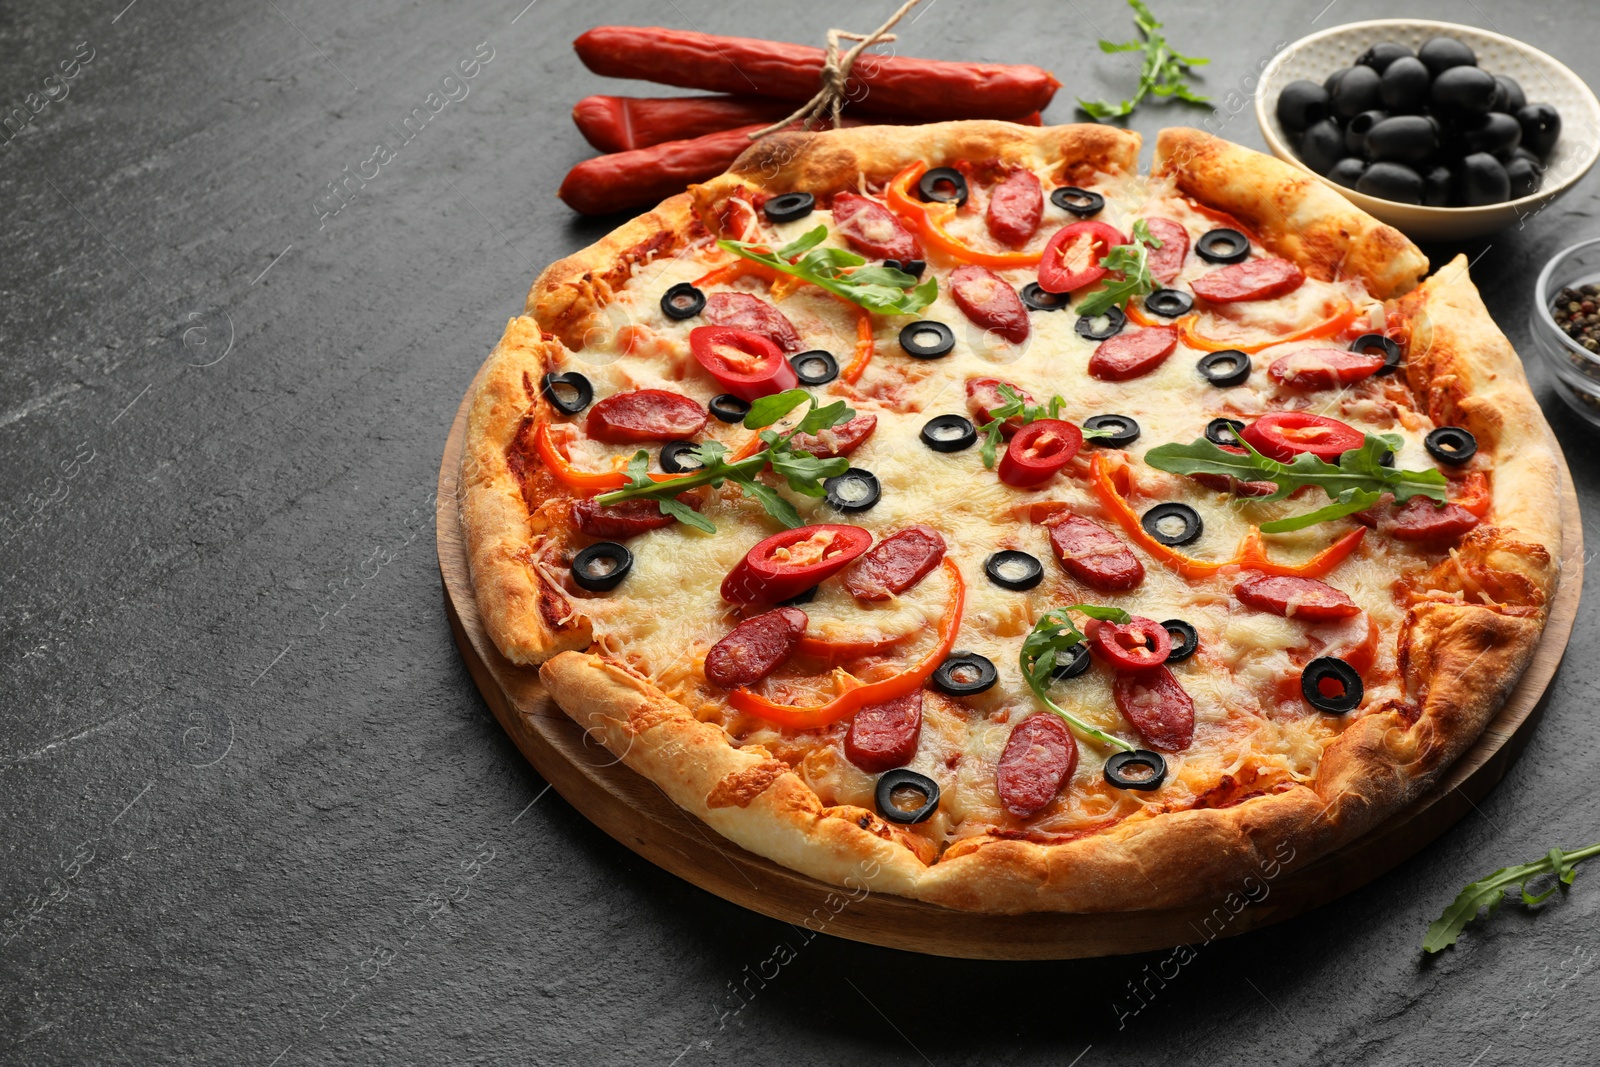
x=1443, y=131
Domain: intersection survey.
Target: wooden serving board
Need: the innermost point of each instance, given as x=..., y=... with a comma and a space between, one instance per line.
x=637, y=813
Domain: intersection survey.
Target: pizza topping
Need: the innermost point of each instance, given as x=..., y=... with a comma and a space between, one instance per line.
x=1132, y=355
x=793, y=561
x=1185, y=639
x=1452, y=445
x=1283, y=435
x=1039, y=758
x=725, y=407
x=1072, y=258
x=1015, y=206
x=1332, y=685
x=1377, y=344
x=895, y=564
x=755, y=648
x=621, y=520
x=682, y=301
x=1108, y=323
x=816, y=367
x=1173, y=524
x=838, y=440
x=986, y=299
x=568, y=392
x=884, y=736
x=842, y=273
x=854, y=490
x=930, y=220
x=1111, y=431
x=1166, y=261
x=601, y=567
x=1295, y=598
x=1038, y=451
x=1333, y=325
x=1423, y=520
x=1093, y=554
x=927, y=339
x=965, y=674
x=789, y=207
x=1225, y=369
x=987, y=394
x=944, y=185
x=906, y=797
x=680, y=457
x=1156, y=706
x=1071, y=661
x=1037, y=298
x=742, y=311
x=949, y=433
x=645, y=415
x=1134, y=645
x=872, y=229
x=1049, y=643
x=745, y=363
x=1323, y=368
x=1169, y=303
x=1257, y=279
x=1013, y=569
x=1223, y=245
x=1076, y=201
x=1224, y=432
x=1130, y=264
x=1139, y=769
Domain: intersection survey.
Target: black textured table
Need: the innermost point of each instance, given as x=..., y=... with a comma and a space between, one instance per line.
x=252, y=810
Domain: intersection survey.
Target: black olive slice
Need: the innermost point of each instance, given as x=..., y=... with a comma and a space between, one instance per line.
x=729, y=408
x=1011, y=569
x=1331, y=668
x=949, y=433
x=677, y=457
x=914, y=267
x=1451, y=444
x=1071, y=663
x=805, y=597
x=1224, y=431
x=1223, y=245
x=682, y=301
x=1040, y=299
x=601, y=567
x=1139, y=769
x=1169, y=303
x=1225, y=368
x=926, y=339
x=965, y=674
x=568, y=392
x=789, y=206
x=854, y=490
x=1376, y=343
x=890, y=781
x=1124, y=430
x=1159, y=519
x=1079, y=202
x=1115, y=321
x=945, y=185
x=816, y=367
x=1185, y=639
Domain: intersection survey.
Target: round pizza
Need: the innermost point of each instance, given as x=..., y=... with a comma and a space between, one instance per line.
x=957, y=509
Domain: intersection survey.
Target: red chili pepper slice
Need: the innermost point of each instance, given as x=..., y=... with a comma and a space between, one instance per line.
x=1283, y=435
x=746, y=364
x=1038, y=451
x=1135, y=645
x=1072, y=258
x=788, y=563
x=1323, y=368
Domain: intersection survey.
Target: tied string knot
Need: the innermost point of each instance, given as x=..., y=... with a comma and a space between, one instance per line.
x=835, y=74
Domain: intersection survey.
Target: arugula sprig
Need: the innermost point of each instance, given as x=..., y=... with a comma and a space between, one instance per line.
x=1133, y=262
x=1016, y=406
x=1165, y=72
x=842, y=273
x=1052, y=636
x=1489, y=892
x=803, y=471
x=1356, y=483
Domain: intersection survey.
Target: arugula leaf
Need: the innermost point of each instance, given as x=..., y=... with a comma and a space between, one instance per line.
x=1489, y=892
x=824, y=417
x=775, y=505
x=1165, y=71
x=877, y=288
x=1355, y=483
x=639, y=470
x=1052, y=635
x=685, y=514
x=805, y=472
x=769, y=409
x=1133, y=262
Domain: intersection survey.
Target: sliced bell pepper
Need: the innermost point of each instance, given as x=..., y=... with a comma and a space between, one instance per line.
x=565, y=473
x=1253, y=556
x=929, y=221
x=855, y=693
x=1475, y=494
x=1189, y=332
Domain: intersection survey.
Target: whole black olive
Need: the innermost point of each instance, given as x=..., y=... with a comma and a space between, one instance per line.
x=1356, y=92
x=1392, y=181
x=1436, y=186
x=1482, y=180
x=1380, y=55
x=1493, y=133
x=1443, y=53
x=1355, y=134
x=1509, y=97
x=1402, y=139
x=1333, y=79
x=1525, y=175
x=1300, y=104
x=1347, y=172
x=1322, y=145
x=1466, y=90
x=1541, y=125
x=1404, y=85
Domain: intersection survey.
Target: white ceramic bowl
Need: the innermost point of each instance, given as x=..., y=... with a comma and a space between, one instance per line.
x=1542, y=78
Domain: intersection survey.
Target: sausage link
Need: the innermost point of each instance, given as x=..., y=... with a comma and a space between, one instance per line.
x=1015, y=206
x=624, y=123
x=1039, y=757
x=619, y=520
x=895, y=564
x=985, y=298
x=1254, y=279
x=1295, y=598
x=745, y=311
x=1132, y=355
x=755, y=648
x=1166, y=262
x=646, y=176
x=872, y=229
x=645, y=415
x=1157, y=706
x=983, y=396
x=1093, y=554
x=836, y=440
x=884, y=736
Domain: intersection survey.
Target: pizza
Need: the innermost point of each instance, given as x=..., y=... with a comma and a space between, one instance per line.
x=958, y=510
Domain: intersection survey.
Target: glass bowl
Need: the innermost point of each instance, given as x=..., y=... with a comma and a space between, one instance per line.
x=1575, y=368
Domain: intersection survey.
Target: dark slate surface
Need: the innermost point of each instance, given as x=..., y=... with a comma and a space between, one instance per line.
x=239, y=750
